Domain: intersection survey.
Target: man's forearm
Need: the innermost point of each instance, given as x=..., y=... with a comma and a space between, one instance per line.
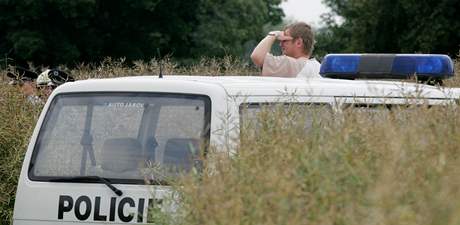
x=261, y=50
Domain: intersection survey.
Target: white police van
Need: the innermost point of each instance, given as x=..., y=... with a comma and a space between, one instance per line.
x=101, y=146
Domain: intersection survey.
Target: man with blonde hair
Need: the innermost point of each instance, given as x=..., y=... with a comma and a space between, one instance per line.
x=296, y=42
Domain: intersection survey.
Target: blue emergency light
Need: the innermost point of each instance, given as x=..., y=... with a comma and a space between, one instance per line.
x=387, y=66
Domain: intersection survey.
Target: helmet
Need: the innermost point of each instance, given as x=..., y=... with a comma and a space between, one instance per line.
x=53, y=77
x=43, y=78
x=59, y=77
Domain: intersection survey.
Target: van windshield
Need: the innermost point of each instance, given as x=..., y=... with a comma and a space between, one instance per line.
x=123, y=137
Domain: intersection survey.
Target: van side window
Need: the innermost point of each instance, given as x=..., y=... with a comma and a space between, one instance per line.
x=252, y=115
x=370, y=108
x=383, y=111
x=365, y=112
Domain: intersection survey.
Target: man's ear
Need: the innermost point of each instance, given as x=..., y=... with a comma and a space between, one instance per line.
x=298, y=42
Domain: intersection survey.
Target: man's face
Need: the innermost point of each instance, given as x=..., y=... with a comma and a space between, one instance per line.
x=288, y=46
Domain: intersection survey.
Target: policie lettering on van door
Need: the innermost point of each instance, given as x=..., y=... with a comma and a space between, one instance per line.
x=83, y=207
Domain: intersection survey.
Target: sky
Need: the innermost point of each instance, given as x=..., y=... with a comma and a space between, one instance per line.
x=308, y=11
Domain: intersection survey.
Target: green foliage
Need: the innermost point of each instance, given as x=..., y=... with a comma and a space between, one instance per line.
x=63, y=32
x=219, y=34
x=331, y=39
x=393, y=26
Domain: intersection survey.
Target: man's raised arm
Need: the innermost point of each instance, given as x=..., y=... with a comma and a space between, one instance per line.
x=264, y=46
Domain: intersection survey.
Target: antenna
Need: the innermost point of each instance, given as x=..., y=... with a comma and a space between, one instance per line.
x=7, y=58
x=161, y=63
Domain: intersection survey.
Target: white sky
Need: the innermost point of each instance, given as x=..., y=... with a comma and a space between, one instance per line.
x=308, y=11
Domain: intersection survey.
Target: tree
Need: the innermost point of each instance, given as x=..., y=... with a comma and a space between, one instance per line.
x=59, y=31
x=395, y=26
x=226, y=25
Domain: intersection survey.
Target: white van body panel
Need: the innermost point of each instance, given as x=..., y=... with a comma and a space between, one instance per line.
x=38, y=202
x=42, y=199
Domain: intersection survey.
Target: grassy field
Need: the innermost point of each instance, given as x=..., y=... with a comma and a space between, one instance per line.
x=398, y=167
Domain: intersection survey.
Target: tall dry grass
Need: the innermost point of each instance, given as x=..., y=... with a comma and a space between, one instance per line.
x=400, y=167
x=17, y=120
x=205, y=66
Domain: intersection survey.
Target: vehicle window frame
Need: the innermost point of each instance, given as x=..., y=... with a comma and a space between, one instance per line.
x=206, y=135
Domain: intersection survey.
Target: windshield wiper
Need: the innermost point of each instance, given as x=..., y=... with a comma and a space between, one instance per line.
x=90, y=178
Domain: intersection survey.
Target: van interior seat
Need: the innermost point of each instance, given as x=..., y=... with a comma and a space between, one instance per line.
x=180, y=152
x=121, y=155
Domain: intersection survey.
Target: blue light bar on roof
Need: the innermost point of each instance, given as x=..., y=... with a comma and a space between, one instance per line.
x=387, y=66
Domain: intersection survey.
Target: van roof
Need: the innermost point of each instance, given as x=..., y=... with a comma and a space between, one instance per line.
x=257, y=85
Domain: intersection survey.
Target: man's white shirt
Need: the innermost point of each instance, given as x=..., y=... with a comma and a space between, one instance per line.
x=310, y=70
